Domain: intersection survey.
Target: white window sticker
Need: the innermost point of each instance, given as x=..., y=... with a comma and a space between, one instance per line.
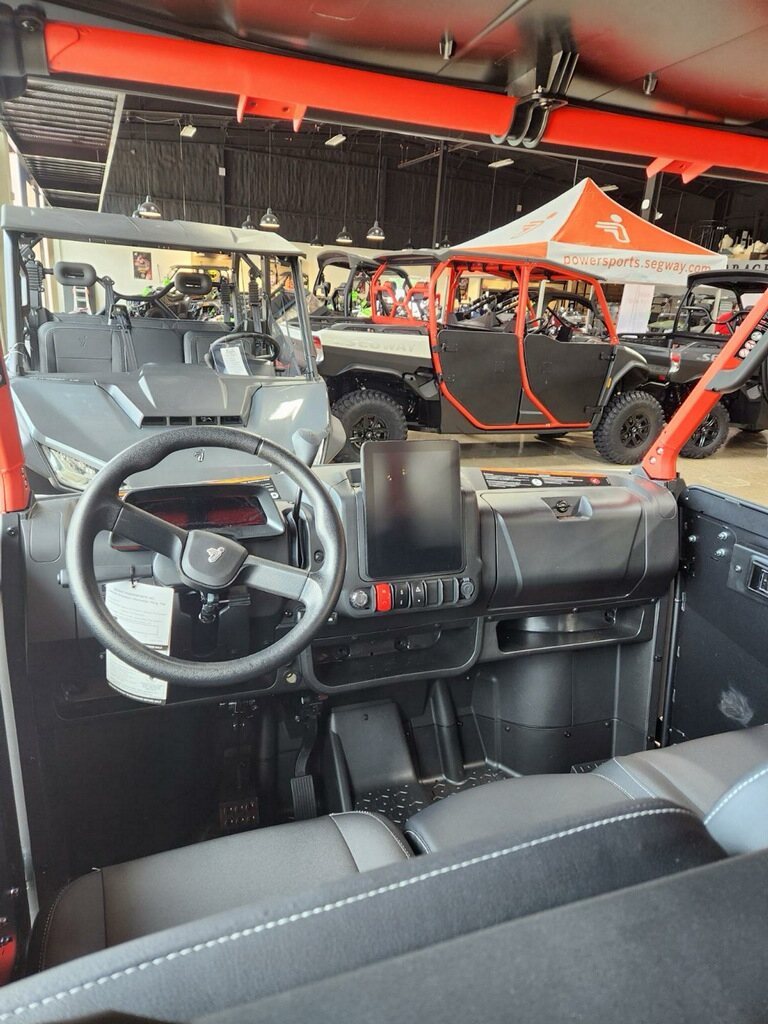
x=233, y=360
x=145, y=612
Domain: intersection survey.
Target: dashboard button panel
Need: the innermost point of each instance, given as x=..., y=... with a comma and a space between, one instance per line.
x=413, y=594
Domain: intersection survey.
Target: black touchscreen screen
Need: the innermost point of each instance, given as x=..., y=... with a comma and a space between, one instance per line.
x=412, y=495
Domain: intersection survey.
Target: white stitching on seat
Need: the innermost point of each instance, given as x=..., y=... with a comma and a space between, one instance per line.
x=732, y=793
x=637, y=781
x=349, y=901
x=420, y=840
x=48, y=922
x=408, y=853
x=613, y=783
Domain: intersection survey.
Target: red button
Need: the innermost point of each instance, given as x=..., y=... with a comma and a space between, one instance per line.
x=383, y=597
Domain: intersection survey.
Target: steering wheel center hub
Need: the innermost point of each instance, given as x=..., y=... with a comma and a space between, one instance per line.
x=210, y=561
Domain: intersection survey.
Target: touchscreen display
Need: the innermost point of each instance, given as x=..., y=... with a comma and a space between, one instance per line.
x=412, y=496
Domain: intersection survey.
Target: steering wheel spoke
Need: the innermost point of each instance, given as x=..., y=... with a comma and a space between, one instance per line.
x=280, y=580
x=145, y=529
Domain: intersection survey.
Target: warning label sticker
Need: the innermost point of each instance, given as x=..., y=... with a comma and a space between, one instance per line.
x=509, y=479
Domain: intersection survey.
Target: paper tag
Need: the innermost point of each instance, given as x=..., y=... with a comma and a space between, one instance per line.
x=233, y=360
x=145, y=612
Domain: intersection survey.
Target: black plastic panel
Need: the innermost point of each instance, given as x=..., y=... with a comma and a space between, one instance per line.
x=721, y=674
x=567, y=376
x=481, y=370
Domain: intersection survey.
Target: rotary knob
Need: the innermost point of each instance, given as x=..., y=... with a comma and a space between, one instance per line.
x=360, y=599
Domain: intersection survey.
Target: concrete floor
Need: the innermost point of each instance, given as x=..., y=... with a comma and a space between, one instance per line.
x=739, y=468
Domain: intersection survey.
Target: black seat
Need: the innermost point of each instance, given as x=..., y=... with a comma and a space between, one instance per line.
x=723, y=779
x=79, y=343
x=116, y=904
x=197, y=342
x=328, y=927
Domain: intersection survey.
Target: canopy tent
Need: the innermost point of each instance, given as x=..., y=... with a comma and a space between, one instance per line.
x=587, y=230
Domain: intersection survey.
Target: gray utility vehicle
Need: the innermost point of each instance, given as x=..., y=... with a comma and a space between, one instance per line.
x=713, y=306
x=98, y=364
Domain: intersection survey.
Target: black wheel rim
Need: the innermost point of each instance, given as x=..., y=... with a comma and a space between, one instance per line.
x=635, y=430
x=706, y=433
x=368, y=428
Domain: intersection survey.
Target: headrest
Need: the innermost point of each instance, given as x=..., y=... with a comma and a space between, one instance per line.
x=81, y=275
x=191, y=283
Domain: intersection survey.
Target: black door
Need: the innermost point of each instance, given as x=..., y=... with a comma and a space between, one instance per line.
x=567, y=377
x=481, y=370
x=720, y=662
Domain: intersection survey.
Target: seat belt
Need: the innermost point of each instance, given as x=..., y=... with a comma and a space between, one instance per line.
x=120, y=320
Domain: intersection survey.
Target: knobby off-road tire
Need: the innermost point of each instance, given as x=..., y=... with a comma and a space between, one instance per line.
x=630, y=424
x=368, y=416
x=709, y=436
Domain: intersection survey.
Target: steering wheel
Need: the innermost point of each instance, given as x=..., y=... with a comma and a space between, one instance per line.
x=562, y=319
x=201, y=560
x=273, y=355
x=736, y=318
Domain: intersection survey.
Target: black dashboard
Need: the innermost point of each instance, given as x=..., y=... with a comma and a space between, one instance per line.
x=446, y=565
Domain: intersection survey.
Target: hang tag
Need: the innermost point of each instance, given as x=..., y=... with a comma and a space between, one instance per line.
x=232, y=359
x=145, y=612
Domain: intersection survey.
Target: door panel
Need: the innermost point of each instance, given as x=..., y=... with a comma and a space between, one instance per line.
x=481, y=369
x=567, y=376
x=720, y=679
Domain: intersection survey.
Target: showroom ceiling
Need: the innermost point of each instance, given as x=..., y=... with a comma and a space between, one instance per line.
x=66, y=134
x=683, y=61
x=708, y=55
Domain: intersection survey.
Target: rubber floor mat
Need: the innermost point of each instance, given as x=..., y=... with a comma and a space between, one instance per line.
x=398, y=803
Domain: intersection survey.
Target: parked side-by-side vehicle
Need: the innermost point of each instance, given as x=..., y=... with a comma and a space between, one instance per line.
x=99, y=361
x=461, y=342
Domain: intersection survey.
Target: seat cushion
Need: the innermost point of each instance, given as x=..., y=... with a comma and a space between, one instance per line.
x=257, y=950
x=695, y=774
x=126, y=901
x=723, y=779
x=510, y=808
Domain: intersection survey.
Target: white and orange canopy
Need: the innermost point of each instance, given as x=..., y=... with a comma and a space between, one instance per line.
x=587, y=230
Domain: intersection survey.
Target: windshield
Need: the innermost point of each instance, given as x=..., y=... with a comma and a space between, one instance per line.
x=96, y=308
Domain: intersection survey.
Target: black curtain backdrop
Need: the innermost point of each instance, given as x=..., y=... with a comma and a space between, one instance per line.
x=307, y=190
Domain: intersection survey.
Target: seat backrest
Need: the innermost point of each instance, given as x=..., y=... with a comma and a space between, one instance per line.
x=197, y=343
x=157, y=341
x=86, y=344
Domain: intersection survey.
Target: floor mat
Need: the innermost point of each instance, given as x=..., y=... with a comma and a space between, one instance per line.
x=398, y=803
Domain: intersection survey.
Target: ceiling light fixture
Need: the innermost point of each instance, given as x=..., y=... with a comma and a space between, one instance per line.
x=248, y=222
x=344, y=237
x=148, y=210
x=269, y=221
x=188, y=131
x=336, y=140
x=375, y=232
x=501, y=163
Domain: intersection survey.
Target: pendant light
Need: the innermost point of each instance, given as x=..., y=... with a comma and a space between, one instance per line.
x=148, y=210
x=375, y=232
x=269, y=221
x=248, y=222
x=344, y=237
x=409, y=246
x=316, y=239
x=493, y=193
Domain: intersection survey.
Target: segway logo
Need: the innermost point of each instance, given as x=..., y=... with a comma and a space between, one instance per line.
x=614, y=227
x=214, y=554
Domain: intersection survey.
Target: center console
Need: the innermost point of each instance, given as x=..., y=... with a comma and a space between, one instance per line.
x=417, y=544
